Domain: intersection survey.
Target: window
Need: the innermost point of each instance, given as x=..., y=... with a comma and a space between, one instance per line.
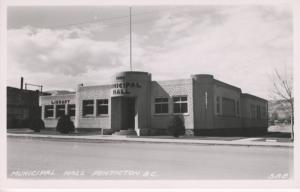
x=218, y=105
x=237, y=108
x=180, y=104
x=228, y=106
x=252, y=111
x=88, y=107
x=102, y=106
x=71, y=110
x=161, y=105
x=258, y=115
x=49, y=111
x=60, y=110
x=264, y=112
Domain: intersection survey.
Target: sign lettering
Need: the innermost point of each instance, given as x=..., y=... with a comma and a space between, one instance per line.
x=58, y=102
x=124, y=87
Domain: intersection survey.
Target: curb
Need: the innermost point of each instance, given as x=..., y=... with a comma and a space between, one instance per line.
x=101, y=139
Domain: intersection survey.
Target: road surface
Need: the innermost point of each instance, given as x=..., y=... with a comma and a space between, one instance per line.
x=48, y=159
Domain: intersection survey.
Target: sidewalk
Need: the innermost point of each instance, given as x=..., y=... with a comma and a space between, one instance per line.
x=201, y=140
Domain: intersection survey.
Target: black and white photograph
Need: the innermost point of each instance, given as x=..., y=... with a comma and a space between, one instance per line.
x=150, y=93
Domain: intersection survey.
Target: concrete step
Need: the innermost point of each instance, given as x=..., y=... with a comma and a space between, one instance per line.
x=125, y=132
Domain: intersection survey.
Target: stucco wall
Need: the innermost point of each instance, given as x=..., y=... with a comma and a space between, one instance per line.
x=93, y=93
x=169, y=89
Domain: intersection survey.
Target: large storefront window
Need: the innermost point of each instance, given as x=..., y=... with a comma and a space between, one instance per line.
x=88, y=107
x=161, y=105
x=180, y=104
x=102, y=107
x=228, y=107
x=71, y=110
x=49, y=111
x=60, y=110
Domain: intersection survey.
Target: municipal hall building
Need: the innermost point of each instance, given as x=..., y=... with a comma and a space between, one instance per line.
x=133, y=102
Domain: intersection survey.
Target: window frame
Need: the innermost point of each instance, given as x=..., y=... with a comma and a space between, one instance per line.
x=69, y=107
x=218, y=105
x=89, y=105
x=226, y=114
x=98, y=105
x=161, y=103
x=180, y=102
x=238, y=112
x=45, y=112
x=57, y=108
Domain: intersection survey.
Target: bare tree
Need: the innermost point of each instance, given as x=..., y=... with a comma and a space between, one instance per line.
x=283, y=92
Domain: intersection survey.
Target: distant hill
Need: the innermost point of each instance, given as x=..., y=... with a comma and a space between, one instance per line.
x=59, y=92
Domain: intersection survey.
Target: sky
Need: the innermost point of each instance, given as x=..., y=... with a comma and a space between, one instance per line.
x=60, y=47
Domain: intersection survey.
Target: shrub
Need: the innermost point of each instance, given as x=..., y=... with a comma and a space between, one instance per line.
x=36, y=124
x=65, y=125
x=176, y=126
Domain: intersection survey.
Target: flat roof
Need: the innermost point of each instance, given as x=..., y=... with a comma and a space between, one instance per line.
x=253, y=97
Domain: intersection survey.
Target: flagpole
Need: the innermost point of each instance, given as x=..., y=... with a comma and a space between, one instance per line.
x=130, y=39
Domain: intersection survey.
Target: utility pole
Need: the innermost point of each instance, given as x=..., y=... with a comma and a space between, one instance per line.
x=130, y=39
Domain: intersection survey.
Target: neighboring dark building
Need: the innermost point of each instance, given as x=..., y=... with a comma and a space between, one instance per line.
x=22, y=105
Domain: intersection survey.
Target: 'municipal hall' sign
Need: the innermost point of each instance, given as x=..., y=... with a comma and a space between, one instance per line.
x=123, y=88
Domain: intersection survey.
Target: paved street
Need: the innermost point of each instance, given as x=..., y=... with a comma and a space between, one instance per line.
x=43, y=159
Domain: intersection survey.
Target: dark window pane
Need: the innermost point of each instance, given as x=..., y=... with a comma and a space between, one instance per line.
x=49, y=111
x=71, y=110
x=175, y=99
x=103, y=110
x=157, y=99
x=157, y=108
x=102, y=106
x=60, y=110
x=164, y=108
x=176, y=108
x=183, y=98
x=183, y=108
x=164, y=99
x=88, y=107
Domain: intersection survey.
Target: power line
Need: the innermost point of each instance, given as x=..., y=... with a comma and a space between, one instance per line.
x=108, y=19
x=100, y=20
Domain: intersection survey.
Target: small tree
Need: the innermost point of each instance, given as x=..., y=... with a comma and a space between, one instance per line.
x=36, y=124
x=65, y=125
x=176, y=126
x=283, y=92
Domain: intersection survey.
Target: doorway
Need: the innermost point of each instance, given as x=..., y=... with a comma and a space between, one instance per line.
x=123, y=113
x=128, y=113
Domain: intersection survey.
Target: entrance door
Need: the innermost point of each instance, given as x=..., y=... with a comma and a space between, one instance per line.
x=123, y=113
x=127, y=113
